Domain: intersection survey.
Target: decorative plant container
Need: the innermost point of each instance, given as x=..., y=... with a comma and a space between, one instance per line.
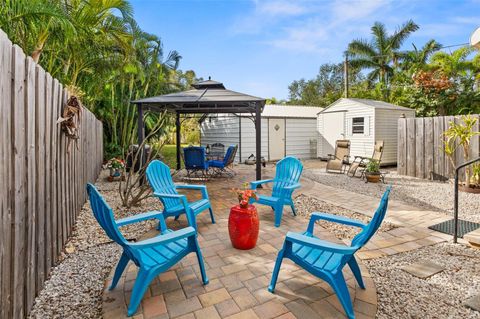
x=116, y=167
x=243, y=226
x=372, y=177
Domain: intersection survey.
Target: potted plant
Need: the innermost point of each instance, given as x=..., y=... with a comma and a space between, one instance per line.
x=459, y=135
x=372, y=171
x=243, y=222
x=116, y=167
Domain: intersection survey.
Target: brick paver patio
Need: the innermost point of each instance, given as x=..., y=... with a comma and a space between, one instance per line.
x=239, y=279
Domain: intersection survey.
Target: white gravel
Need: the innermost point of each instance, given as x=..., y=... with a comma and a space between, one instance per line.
x=431, y=195
x=74, y=289
x=401, y=295
x=306, y=205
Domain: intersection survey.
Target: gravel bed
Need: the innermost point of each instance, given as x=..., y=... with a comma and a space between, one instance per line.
x=74, y=289
x=401, y=295
x=306, y=205
x=430, y=195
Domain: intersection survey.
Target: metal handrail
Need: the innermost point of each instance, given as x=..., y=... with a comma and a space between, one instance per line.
x=455, y=205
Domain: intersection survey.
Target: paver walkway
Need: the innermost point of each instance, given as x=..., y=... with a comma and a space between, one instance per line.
x=239, y=279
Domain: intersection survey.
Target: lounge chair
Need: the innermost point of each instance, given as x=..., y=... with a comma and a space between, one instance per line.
x=174, y=204
x=338, y=161
x=325, y=259
x=223, y=166
x=152, y=256
x=361, y=162
x=287, y=175
x=196, y=165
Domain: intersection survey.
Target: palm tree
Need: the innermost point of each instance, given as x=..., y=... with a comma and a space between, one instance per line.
x=456, y=63
x=380, y=54
x=417, y=59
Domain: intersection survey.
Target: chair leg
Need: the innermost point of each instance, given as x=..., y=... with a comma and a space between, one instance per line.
x=200, y=263
x=211, y=215
x=276, y=270
x=142, y=282
x=122, y=263
x=292, y=206
x=177, y=217
x=278, y=211
x=352, y=263
x=339, y=285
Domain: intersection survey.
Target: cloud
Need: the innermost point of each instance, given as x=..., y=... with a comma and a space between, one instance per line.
x=280, y=8
x=344, y=11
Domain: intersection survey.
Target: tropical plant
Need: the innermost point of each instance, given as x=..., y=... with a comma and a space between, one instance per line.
x=454, y=64
x=417, y=59
x=381, y=54
x=459, y=135
x=373, y=166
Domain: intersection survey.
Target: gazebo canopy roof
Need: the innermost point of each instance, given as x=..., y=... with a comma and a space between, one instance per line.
x=206, y=97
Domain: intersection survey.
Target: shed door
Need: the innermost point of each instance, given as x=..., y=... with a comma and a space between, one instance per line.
x=276, y=139
x=333, y=129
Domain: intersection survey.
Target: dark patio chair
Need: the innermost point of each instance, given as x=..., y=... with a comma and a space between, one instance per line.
x=196, y=165
x=224, y=166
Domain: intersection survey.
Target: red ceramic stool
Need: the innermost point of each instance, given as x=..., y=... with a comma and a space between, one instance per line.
x=243, y=226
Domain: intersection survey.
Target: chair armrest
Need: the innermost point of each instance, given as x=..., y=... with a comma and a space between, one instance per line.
x=293, y=186
x=201, y=188
x=141, y=217
x=166, y=238
x=334, y=219
x=254, y=184
x=315, y=243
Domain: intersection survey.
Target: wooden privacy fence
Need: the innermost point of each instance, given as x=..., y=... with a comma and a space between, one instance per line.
x=43, y=185
x=421, y=147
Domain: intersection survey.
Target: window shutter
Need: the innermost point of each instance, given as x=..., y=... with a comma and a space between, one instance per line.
x=367, y=126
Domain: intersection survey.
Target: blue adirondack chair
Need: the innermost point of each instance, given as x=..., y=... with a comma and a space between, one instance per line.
x=221, y=166
x=287, y=175
x=152, y=256
x=325, y=259
x=158, y=175
x=196, y=164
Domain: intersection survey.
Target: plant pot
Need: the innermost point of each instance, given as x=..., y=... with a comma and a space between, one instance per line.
x=473, y=189
x=372, y=177
x=243, y=227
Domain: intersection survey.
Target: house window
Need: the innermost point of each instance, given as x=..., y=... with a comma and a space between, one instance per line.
x=358, y=125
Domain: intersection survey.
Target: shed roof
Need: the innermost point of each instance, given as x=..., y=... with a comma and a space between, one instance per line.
x=370, y=103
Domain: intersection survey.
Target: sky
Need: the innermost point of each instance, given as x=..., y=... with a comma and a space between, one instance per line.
x=260, y=46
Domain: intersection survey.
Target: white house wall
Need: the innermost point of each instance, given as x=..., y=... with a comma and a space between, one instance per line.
x=222, y=129
x=298, y=134
x=248, y=138
x=361, y=144
x=386, y=130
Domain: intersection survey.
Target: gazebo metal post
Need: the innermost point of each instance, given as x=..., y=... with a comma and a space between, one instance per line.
x=178, y=138
x=258, y=140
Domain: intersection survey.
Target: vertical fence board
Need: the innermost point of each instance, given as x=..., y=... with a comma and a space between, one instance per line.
x=402, y=147
x=429, y=148
x=438, y=128
x=31, y=270
x=40, y=171
x=419, y=148
x=6, y=196
x=49, y=260
x=411, y=146
x=19, y=168
x=54, y=171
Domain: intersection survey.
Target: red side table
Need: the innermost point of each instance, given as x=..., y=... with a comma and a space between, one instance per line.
x=243, y=227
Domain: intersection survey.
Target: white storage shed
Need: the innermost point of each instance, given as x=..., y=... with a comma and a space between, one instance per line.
x=362, y=122
x=286, y=130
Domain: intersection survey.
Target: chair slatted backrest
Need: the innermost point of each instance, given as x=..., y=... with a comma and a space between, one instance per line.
x=104, y=215
x=364, y=236
x=194, y=157
x=342, y=149
x=378, y=151
x=158, y=175
x=230, y=155
x=217, y=150
x=288, y=172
